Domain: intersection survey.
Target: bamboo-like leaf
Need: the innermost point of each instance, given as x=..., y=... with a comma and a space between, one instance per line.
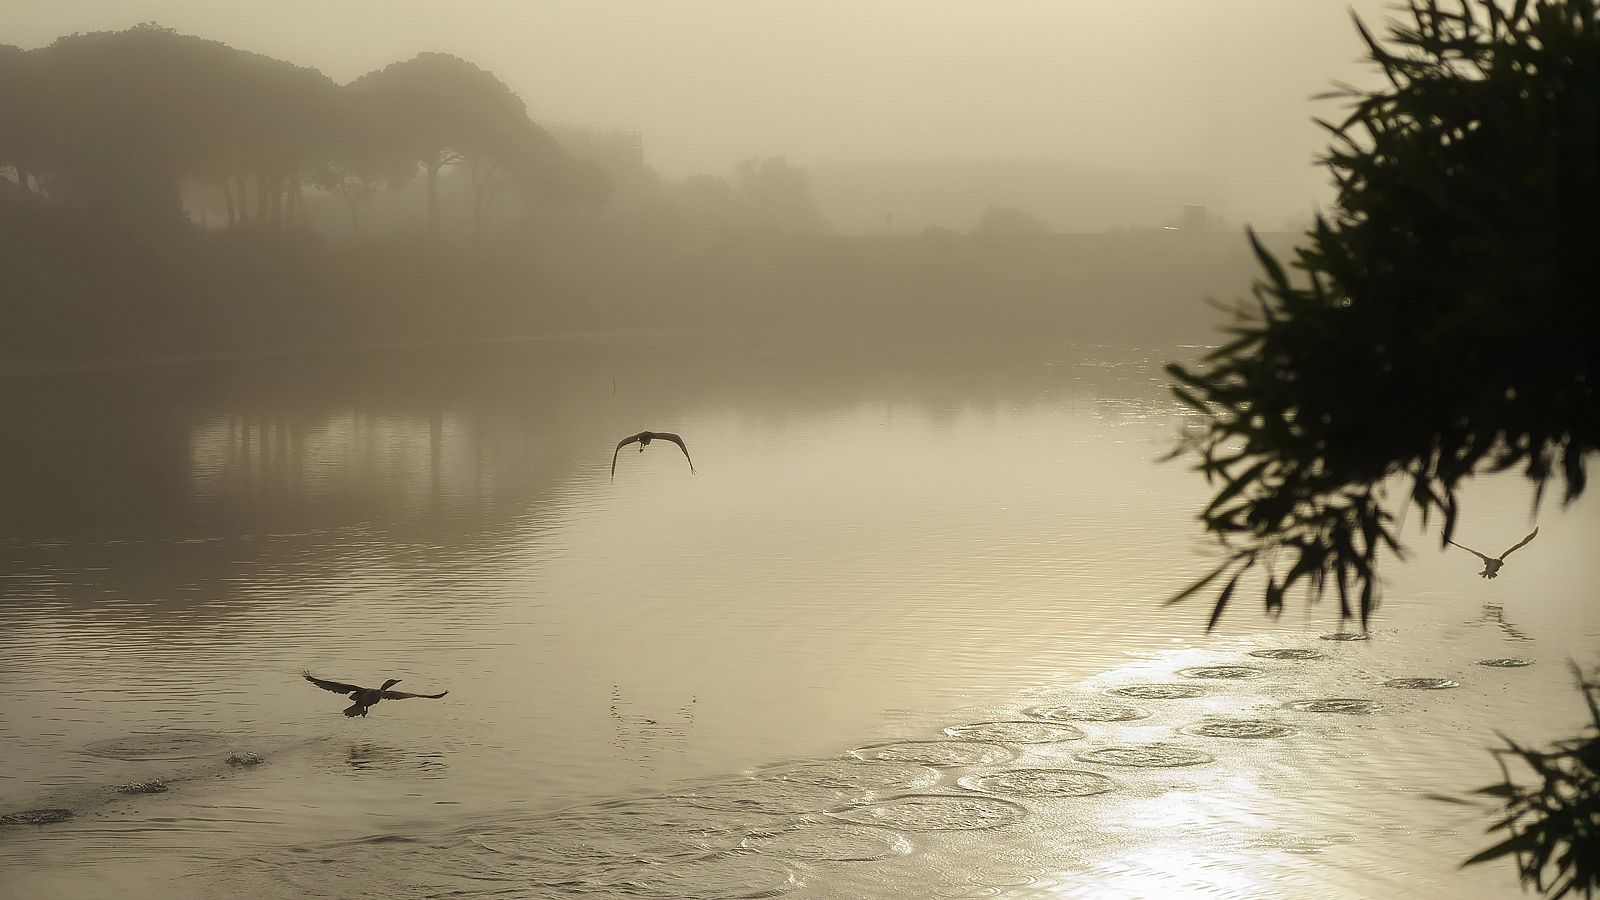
x=1222, y=600
x=1201, y=583
x=1274, y=597
x=1235, y=485
x=1191, y=400
x=1446, y=798
x=1268, y=261
x=1516, y=844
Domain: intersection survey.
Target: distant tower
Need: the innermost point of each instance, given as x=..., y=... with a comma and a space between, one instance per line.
x=1194, y=217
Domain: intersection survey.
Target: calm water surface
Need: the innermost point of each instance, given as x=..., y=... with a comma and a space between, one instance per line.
x=656, y=684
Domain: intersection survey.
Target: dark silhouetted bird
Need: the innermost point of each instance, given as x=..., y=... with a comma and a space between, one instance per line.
x=643, y=439
x=1491, y=566
x=365, y=698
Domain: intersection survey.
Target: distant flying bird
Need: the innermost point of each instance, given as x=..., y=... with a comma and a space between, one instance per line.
x=366, y=697
x=1491, y=567
x=643, y=439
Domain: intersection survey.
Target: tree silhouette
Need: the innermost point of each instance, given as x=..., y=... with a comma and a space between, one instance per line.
x=291, y=126
x=1551, y=824
x=705, y=202
x=111, y=125
x=359, y=162
x=1442, y=321
x=120, y=118
x=20, y=129
x=573, y=183
x=1008, y=221
x=441, y=110
x=777, y=194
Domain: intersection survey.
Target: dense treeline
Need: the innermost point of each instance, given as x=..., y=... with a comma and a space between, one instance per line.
x=112, y=126
x=161, y=193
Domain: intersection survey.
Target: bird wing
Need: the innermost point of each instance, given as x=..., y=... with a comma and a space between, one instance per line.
x=1472, y=551
x=1519, y=544
x=337, y=687
x=620, y=444
x=402, y=695
x=679, y=441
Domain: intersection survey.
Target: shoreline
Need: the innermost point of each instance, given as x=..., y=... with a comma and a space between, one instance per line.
x=93, y=365
x=20, y=369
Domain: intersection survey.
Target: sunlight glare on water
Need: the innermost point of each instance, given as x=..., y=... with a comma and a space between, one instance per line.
x=874, y=557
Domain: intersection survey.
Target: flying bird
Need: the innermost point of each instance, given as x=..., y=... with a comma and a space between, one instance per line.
x=1491, y=566
x=365, y=698
x=643, y=439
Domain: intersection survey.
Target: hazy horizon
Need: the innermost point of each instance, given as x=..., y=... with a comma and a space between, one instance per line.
x=1219, y=91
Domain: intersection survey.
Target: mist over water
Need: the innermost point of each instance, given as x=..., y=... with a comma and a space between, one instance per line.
x=724, y=450
x=1213, y=93
x=786, y=657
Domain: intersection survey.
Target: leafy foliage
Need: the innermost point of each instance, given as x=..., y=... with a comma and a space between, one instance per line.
x=1554, y=825
x=1440, y=322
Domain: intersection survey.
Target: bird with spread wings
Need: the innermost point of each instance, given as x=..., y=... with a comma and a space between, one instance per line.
x=1491, y=565
x=363, y=697
x=643, y=439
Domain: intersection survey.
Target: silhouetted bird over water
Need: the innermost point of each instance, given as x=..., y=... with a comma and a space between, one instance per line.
x=643, y=439
x=1491, y=567
x=365, y=698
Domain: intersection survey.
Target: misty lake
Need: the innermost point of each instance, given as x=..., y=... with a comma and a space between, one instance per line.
x=901, y=636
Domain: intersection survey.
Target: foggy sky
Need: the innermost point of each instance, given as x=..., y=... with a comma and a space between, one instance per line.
x=1214, y=87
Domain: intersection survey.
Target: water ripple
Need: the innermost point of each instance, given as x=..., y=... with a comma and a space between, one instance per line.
x=1016, y=732
x=1345, y=705
x=1289, y=653
x=1039, y=783
x=1089, y=710
x=1422, y=684
x=832, y=842
x=961, y=754
x=1159, y=691
x=1145, y=756
x=1239, y=728
x=935, y=812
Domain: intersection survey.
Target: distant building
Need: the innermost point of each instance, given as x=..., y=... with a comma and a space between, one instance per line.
x=1195, y=218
